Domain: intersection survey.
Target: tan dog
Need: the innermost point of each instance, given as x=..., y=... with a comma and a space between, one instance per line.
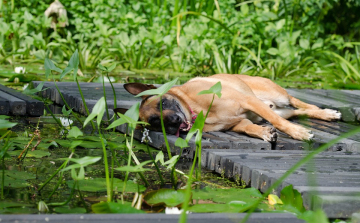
x=245, y=100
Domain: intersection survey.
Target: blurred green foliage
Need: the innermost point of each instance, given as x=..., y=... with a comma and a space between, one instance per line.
x=271, y=38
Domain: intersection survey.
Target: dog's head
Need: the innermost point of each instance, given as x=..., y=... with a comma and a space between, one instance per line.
x=176, y=114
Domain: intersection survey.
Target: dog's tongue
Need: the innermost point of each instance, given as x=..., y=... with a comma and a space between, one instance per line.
x=182, y=126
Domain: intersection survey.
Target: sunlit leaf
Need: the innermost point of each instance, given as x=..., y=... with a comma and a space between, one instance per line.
x=274, y=199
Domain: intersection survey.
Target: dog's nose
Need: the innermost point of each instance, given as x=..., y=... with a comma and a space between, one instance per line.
x=175, y=119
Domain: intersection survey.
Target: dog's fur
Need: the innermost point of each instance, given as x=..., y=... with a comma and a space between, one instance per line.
x=245, y=100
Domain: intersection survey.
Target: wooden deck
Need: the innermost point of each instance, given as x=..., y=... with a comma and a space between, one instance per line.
x=336, y=188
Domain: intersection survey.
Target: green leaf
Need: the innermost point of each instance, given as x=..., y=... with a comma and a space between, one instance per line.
x=6, y=124
x=215, y=89
x=133, y=112
x=217, y=208
x=74, y=62
x=66, y=112
x=180, y=142
x=318, y=44
x=112, y=67
x=273, y=51
x=304, y=43
x=137, y=168
x=74, y=144
x=197, y=126
x=165, y=197
x=161, y=90
x=317, y=216
x=244, y=9
x=34, y=154
x=102, y=67
x=29, y=91
x=274, y=199
x=16, y=179
x=112, y=207
x=171, y=162
x=69, y=210
x=85, y=161
x=160, y=157
x=99, y=185
x=49, y=66
x=292, y=197
x=75, y=132
x=98, y=111
x=248, y=195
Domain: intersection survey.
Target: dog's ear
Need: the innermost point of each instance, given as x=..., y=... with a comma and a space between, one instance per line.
x=137, y=88
x=120, y=110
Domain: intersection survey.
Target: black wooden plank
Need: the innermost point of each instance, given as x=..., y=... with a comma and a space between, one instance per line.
x=33, y=106
x=4, y=106
x=17, y=106
x=347, y=113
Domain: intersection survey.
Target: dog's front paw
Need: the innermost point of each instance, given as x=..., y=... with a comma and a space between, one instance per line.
x=300, y=133
x=330, y=114
x=269, y=134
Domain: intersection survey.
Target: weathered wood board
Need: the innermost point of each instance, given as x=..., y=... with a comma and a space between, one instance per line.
x=13, y=102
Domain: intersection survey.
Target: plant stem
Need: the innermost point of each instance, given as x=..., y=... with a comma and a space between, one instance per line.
x=61, y=167
x=156, y=166
x=108, y=188
x=173, y=174
x=106, y=106
x=83, y=100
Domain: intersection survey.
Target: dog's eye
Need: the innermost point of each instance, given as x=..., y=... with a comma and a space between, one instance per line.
x=164, y=103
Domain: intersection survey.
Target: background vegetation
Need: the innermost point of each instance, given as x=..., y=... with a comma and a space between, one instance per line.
x=307, y=40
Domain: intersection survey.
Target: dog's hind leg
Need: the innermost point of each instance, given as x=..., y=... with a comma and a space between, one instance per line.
x=255, y=105
x=312, y=111
x=322, y=114
x=246, y=126
x=296, y=103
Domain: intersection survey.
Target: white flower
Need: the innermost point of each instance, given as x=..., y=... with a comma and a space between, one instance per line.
x=174, y=210
x=146, y=137
x=20, y=70
x=106, y=80
x=25, y=86
x=65, y=121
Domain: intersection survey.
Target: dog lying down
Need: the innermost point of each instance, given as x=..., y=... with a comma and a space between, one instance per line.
x=245, y=100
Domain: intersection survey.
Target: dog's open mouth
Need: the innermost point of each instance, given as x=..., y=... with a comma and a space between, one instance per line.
x=184, y=127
